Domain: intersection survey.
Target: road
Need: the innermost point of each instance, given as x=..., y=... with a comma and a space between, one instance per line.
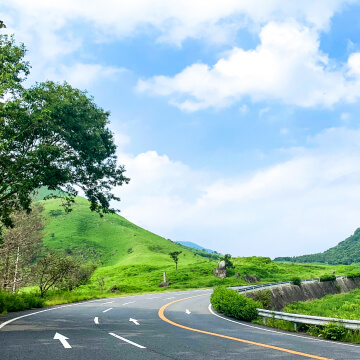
x=162, y=326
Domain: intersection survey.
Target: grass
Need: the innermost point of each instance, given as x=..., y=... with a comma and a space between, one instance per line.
x=111, y=240
x=132, y=260
x=342, y=306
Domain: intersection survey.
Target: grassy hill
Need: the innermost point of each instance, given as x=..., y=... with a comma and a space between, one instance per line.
x=346, y=252
x=132, y=260
x=111, y=240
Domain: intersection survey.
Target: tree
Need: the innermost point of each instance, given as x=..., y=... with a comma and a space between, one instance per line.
x=228, y=262
x=19, y=247
x=51, y=269
x=51, y=135
x=175, y=256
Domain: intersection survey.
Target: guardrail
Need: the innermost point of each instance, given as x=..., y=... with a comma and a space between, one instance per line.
x=272, y=285
x=308, y=319
x=299, y=318
x=245, y=289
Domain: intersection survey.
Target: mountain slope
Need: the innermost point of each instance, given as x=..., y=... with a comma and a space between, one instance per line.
x=111, y=240
x=346, y=252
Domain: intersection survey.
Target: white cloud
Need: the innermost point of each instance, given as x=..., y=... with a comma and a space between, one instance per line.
x=81, y=75
x=305, y=204
x=174, y=21
x=287, y=66
x=244, y=109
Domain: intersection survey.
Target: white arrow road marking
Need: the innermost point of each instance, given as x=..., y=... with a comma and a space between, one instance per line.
x=63, y=341
x=134, y=321
x=128, y=341
x=188, y=312
x=107, y=310
x=96, y=320
x=129, y=302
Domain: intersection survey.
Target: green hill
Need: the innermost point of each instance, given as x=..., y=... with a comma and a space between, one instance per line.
x=132, y=260
x=346, y=252
x=110, y=240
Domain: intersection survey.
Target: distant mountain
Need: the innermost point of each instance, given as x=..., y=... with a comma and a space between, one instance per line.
x=195, y=246
x=346, y=252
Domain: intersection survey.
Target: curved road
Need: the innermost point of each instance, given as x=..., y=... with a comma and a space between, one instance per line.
x=163, y=326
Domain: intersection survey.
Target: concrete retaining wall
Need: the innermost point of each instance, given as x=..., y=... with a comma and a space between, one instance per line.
x=282, y=296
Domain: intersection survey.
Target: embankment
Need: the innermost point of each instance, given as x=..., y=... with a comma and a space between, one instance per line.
x=282, y=296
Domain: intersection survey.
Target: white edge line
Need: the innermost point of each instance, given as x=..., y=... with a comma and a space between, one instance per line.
x=107, y=310
x=41, y=311
x=96, y=320
x=128, y=341
x=282, y=333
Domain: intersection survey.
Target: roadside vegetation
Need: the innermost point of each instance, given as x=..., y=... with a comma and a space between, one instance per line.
x=342, y=306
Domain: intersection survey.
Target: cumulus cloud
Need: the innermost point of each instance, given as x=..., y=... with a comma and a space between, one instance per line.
x=81, y=75
x=174, y=21
x=287, y=66
x=305, y=204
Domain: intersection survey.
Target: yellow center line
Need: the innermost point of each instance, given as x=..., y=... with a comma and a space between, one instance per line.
x=163, y=317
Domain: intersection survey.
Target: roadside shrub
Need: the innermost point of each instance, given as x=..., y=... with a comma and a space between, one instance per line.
x=229, y=302
x=296, y=281
x=353, y=275
x=327, y=278
x=15, y=302
x=334, y=332
x=264, y=297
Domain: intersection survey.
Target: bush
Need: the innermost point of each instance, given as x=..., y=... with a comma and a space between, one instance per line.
x=334, y=332
x=229, y=302
x=264, y=297
x=353, y=275
x=327, y=278
x=296, y=281
x=16, y=302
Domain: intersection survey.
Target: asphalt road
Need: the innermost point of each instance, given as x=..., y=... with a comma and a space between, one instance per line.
x=160, y=326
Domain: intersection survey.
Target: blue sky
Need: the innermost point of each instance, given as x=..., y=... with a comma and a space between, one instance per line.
x=237, y=121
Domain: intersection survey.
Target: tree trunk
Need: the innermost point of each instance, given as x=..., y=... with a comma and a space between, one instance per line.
x=16, y=269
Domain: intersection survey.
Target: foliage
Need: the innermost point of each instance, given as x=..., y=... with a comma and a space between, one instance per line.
x=327, y=277
x=19, y=301
x=51, y=135
x=296, y=281
x=264, y=298
x=334, y=332
x=343, y=306
x=175, y=256
x=51, y=270
x=79, y=275
x=18, y=248
x=228, y=262
x=353, y=275
x=229, y=302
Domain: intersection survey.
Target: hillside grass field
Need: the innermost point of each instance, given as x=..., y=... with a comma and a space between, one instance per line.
x=132, y=260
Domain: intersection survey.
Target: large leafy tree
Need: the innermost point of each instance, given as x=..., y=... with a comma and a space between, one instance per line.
x=51, y=135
